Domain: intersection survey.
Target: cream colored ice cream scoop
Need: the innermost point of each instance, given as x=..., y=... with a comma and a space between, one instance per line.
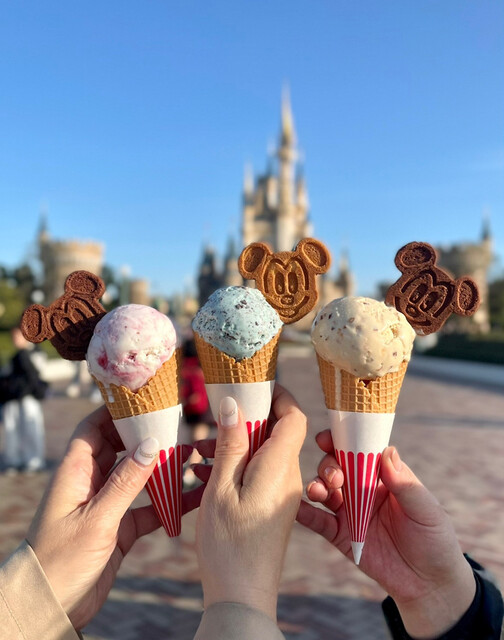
x=362, y=336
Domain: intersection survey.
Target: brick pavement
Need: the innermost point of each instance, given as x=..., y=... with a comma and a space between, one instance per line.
x=451, y=434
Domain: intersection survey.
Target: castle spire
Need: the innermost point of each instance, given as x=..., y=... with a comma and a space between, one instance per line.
x=231, y=275
x=231, y=252
x=287, y=134
x=301, y=190
x=43, y=226
x=486, y=233
x=285, y=231
x=248, y=180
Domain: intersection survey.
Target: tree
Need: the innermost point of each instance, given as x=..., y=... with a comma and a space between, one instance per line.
x=25, y=281
x=12, y=305
x=496, y=303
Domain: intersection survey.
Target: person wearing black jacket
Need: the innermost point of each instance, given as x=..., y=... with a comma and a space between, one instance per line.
x=20, y=393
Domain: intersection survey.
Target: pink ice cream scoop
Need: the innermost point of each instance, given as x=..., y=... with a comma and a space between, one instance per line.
x=129, y=345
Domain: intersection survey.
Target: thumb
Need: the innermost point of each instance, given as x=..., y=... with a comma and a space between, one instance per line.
x=128, y=479
x=231, y=447
x=416, y=501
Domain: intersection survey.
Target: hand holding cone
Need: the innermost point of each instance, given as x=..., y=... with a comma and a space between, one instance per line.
x=237, y=331
x=236, y=335
x=131, y=356
x=365, y=337
x=250, y=381
x=413, y=552
x=154, y=411
x=363, y=348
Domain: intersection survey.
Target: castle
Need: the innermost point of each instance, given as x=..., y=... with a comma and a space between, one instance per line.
x=60, y=257
x=275, y=211
x=472, y=259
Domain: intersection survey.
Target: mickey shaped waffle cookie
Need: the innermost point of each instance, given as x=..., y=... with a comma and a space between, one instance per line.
x=287, y=278
x=426, y=294
x=70, y=320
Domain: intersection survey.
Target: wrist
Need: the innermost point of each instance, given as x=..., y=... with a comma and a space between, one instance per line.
x=438, y=610
x=261, y=599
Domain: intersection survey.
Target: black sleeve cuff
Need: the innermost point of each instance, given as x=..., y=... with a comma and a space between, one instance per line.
x=482, y=621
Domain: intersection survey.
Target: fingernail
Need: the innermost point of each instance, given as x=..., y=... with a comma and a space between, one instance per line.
x=228, y=412
x=314, y=481
x=396, y=460
x=329, y=473
x=146, y=451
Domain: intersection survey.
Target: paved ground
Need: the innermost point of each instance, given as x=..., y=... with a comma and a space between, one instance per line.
x=451, y=431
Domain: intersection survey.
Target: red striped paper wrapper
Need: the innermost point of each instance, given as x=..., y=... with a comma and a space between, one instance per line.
x=359, y=440
x=165, y=484
x=254, y=401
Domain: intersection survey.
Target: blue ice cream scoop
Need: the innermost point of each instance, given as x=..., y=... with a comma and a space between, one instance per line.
x=238, y=321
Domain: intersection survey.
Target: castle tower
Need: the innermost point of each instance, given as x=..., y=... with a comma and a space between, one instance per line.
x=286, y=154
x=60, y=258
x=275, y=208
x=139, y=292
x=231, y=276
x=474, y=260
x=345, y=280
x=275, y=211
x=208, y=278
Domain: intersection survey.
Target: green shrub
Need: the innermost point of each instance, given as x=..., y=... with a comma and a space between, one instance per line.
x=484, y=348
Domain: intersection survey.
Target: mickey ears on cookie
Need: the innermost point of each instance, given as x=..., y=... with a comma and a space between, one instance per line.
x=314, y=253
x=426, y=294
x=287, y=279
x=415, y=255
x=69, y=321
x=467, y=298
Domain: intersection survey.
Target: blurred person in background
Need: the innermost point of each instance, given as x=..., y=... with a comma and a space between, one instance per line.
x=21, y=390
x=195, y=403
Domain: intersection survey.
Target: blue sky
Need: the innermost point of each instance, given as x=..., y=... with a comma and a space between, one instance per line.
x=130, y=123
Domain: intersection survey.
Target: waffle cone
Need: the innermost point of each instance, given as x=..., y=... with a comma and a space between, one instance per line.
x=220, y=368
x=345, y=392
x=160, y=392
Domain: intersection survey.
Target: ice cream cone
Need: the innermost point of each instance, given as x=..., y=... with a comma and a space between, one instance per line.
x=345, y=392
x=220, y=368
x=160, y=392
x=254, y=400
x=154, y=410
x=249, y=381
x=362, y=414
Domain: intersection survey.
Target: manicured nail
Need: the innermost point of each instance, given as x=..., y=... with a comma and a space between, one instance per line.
x=228, y=412
x=329, y=473
x=312, y=483
x=396, y=460
x=146, y=452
